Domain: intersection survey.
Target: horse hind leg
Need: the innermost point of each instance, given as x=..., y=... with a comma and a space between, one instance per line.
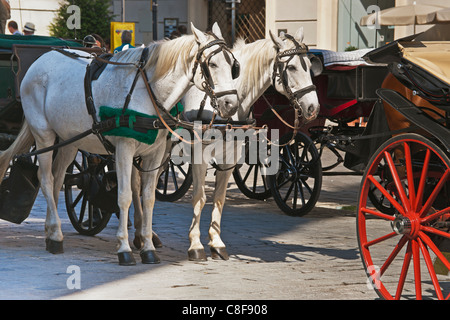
x=136, y=191
x=54, y=236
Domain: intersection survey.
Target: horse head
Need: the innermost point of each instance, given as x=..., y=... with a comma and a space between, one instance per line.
x=215, y=70
x=292, y=73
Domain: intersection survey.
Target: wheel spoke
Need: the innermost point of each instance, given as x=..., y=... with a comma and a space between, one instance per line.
x=77, y=199
x=387, y=195
x=378, y=214
x=174, y=176
x=434, y=194
x=302, y=194
x=380, y=239
x=404, y=272
x=393, y=254
x=166, y=180
x=435, y=249
x=250, y=168
x=432, y=273
x=417, y=272
x=82, y=209
x=288, y=193
x=180, y=168
x=264, y=182
x=282, y=184
x=397, y=181
x=435, y=231
x=435, y=216
x=423, y=179
x=290, y=155
x=306, y=186
x=255, y=178
x=409, y=175
x=294, y=203
x=91, y=216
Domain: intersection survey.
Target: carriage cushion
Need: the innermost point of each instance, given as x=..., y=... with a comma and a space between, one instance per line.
x=144, y=136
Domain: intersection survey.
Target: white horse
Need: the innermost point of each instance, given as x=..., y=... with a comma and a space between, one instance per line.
x=260, y=68
x=263, y=62
x=54, y=106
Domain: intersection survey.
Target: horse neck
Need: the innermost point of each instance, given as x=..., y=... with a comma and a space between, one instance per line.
x=170, y=86
x=252, y=90
x=170, y=89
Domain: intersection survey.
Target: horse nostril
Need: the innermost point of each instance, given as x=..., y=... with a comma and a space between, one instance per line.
x=311, y=109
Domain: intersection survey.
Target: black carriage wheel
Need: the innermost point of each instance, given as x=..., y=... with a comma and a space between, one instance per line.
x=251, y=182
x=86, y=218
x=297, y=183
x=249, y=178
x=174, y=182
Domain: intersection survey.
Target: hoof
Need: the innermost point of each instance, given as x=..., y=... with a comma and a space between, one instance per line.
x=149, y=257
x=219, y=253
x=52, y=246
x=126, y=259
x=156, y=241
x=138, y=243
x=197, y=255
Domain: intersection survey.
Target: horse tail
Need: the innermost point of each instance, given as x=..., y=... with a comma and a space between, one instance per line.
x=22, y=144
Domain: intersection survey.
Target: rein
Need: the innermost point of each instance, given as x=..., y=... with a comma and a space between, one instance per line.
x=99, y=127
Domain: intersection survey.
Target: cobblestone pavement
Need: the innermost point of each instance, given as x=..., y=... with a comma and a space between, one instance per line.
x=272, y=256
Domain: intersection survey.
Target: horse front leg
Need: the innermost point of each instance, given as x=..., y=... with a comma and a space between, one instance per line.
x=216, y=245
x=124, y=163
x=230, y=155
x=196, y=252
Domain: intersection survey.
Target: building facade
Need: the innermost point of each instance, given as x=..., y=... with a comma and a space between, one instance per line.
x=328, y=24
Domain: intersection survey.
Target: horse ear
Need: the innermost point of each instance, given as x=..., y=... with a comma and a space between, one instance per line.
x=276, y=40
x=216, y=30
x=299, y=35
x=199, y=36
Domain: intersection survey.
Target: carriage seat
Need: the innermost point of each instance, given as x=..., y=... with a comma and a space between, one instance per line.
x=350, y=58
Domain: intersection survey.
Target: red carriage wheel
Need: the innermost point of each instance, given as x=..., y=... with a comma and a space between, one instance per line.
x=400, y=252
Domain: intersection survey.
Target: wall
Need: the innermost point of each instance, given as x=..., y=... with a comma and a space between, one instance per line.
x=289, y=15
x=41, y=13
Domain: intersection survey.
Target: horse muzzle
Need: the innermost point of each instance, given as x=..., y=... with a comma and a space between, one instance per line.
x=227, y=103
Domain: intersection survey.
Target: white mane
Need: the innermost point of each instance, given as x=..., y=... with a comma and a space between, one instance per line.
x=164, y=55
x=259, y=55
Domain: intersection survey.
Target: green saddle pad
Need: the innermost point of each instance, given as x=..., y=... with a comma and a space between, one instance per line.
x=120, y=131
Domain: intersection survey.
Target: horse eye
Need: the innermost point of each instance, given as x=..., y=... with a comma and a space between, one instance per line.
x=291, y=68
x=212, y=65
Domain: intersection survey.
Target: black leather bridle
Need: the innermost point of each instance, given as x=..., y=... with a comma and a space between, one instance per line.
x=280, y=70
x=208, y=83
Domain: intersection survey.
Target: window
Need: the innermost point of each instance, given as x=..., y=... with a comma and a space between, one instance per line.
x=352, y=35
